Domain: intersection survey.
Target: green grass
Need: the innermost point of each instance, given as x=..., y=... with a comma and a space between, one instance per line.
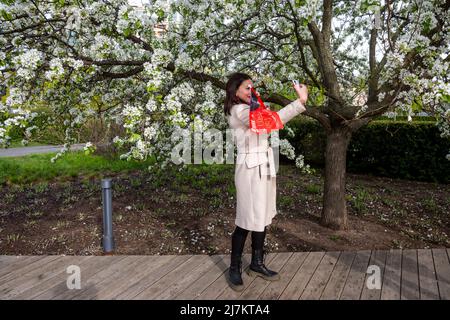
x=37, y=167
x=18, y=144
x=430, y=205
x=360, y=200
x=334, y=237
x=286, y=201
x=313, y=189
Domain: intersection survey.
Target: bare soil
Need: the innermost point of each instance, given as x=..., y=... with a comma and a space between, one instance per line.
x=176, y=213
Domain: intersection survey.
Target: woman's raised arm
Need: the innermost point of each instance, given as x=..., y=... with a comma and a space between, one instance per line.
x=296, y=107
x=291, y=110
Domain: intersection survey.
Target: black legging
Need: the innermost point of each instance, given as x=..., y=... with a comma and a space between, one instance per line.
x=258, y=239
x=240, y=235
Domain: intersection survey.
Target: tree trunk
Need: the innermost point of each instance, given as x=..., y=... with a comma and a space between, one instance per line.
x=334, y=212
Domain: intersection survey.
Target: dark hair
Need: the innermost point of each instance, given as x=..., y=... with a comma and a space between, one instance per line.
x=234, y=81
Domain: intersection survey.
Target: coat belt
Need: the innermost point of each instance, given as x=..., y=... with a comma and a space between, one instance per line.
x=269, y=151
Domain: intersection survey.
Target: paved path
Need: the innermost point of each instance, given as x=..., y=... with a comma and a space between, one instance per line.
x=361, y=275
x=22, y=151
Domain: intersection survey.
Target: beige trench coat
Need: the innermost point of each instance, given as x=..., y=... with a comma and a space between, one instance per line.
x=255, y=174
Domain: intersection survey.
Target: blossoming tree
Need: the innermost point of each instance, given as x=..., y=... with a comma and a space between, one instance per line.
x=360, y=59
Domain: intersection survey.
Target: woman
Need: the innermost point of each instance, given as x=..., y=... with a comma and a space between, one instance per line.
x=255, y=177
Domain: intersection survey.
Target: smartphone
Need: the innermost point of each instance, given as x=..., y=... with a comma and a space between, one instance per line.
x=254, y=103
x=295, y=82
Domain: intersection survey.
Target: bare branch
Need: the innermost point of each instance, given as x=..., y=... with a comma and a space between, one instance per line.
x=300, y=49
x=110, y=75
x=373, y=77
x=326, y=20
x=326, y=63
x=145, y=44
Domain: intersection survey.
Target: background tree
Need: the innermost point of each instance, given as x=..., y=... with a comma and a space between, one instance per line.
x=360, y=59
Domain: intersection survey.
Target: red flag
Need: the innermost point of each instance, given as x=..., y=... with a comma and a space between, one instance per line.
x=262, y=120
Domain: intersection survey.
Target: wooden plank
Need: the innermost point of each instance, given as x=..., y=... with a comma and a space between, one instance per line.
x=427, y=275
x=107, y=280
x=259, y=284
x=147, y=266
x=89, y=269
x=15, y=266
x=40, y=276
x=230, y=294
x=197, y=287
x=151, y=277
x=355, y=281
x=217, y=287
x=300, y=280
x=391, y=284
x=441, y=263
x=179, y=286
x=59, y=277
x=320, y=278
x=6, y=260
x=172, y=277
x=19, y=275
x=16, y=263
x=339, y=276
x=276, y=288
x=378, y=258
x=410, y=276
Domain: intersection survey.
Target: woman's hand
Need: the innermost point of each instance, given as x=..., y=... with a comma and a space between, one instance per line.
x=302, y=91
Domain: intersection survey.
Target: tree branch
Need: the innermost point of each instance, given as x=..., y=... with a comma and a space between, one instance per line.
x=373, y=77
x=38, y=24
x=110, y=75
x=326, y=20
x=326, y=64
x=310, y=111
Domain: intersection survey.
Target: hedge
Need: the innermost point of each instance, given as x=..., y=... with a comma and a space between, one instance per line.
x=397, y=149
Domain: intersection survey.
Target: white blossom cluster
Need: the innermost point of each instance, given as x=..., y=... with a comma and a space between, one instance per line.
x=157, y=76
x=300, y=163
x=27, y=63
x=3, y=137
x=287, y=149
x=103, y=46
x=212, y=38
x=161, y=57
x=183, y=61
x=129, y=17
x=56, y=69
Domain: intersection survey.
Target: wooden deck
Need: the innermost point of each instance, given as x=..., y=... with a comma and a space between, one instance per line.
x=405, y=274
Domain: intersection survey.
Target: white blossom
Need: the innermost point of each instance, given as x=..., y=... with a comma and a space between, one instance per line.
x=56, y=69
x=27, y=63
x=161, y=57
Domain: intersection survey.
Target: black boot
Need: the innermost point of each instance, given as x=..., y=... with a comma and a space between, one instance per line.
x=257, y=267
x=237, y=247
x=235, y=273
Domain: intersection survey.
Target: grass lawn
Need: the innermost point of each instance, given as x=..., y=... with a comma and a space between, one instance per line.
x=37, y=167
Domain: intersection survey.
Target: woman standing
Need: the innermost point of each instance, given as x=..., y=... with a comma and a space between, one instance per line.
x=255, y=177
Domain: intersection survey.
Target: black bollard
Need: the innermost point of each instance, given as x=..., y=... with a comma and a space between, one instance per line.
x=108, y=237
